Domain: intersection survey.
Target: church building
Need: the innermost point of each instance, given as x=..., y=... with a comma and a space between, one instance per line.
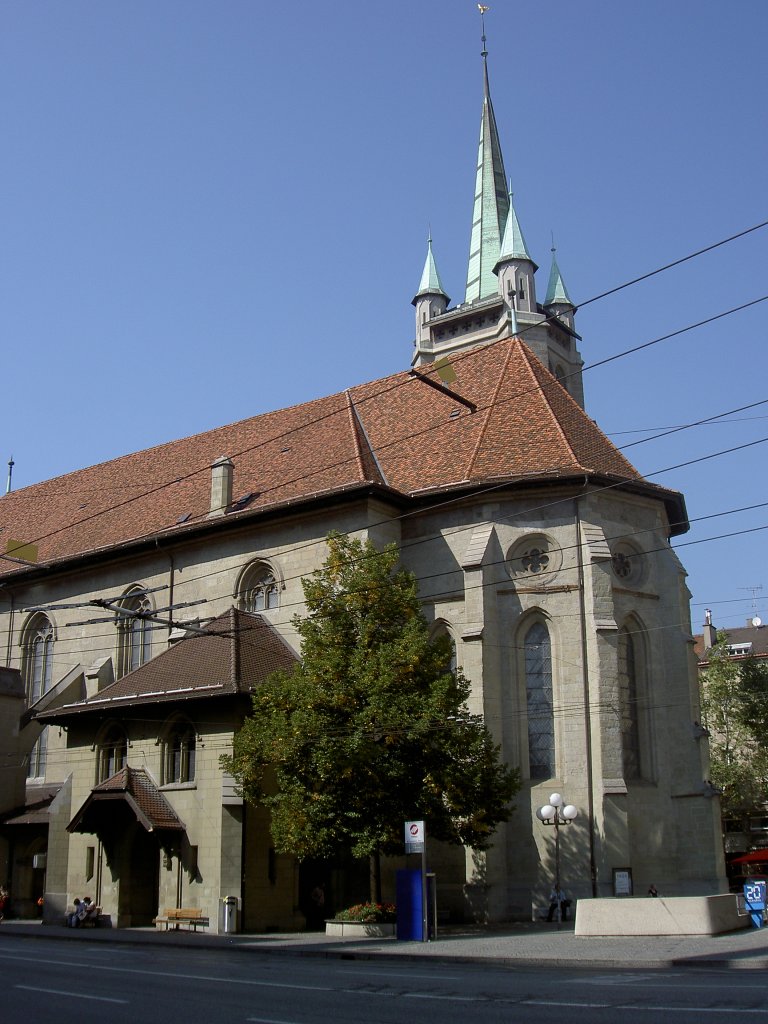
x=143, y=599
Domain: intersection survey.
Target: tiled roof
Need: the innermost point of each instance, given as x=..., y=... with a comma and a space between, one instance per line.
x=756, y=636
x=236, y=653
x=396, y=432
x=136, y=788
x=35, y=809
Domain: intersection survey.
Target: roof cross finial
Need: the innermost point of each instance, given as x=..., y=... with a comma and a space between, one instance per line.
x=483, y=8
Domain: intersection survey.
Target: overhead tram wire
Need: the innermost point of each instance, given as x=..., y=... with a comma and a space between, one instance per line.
x=538, y=508
x=458, y=358
x=342, y=411
x=531, y=577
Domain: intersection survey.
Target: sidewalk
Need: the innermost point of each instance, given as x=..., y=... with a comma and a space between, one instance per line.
x=531, y=944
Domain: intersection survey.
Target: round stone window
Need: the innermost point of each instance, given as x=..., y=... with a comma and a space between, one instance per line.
x=534, y=557
x=627, y=563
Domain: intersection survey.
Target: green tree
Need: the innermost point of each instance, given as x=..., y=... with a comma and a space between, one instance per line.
x=372, y=727
x=733, y=696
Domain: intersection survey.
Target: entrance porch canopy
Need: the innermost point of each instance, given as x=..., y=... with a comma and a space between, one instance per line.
x=135, y=788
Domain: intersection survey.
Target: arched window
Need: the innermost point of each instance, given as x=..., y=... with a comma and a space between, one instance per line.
x=259, y=589
x=179, y=754
x=630, y=711
x=134, y=632
x=37, y=657
x=441, y=629
x=112, y=753
x=38, y=756
x=538, y=692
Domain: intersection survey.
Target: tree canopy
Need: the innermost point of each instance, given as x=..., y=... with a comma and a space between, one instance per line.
x=372, y=727
x=734, y=710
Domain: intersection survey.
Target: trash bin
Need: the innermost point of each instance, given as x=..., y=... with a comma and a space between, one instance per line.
x=228, y=915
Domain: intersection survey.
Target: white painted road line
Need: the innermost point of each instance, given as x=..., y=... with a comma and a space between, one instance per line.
x=74, y=995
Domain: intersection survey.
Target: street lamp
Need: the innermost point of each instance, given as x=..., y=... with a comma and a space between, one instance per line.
x=557, y=813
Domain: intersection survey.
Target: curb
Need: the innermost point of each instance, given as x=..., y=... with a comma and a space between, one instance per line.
x=253, y=945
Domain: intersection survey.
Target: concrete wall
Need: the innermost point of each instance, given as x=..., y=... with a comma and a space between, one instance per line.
x=673, y=915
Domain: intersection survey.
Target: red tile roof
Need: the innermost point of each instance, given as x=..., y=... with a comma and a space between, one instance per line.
x=397, y=432
x=238, y=651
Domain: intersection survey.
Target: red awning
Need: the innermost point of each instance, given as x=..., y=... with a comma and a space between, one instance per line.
x=756, y=856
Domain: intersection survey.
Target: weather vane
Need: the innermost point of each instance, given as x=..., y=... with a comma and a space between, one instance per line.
x=483, y=8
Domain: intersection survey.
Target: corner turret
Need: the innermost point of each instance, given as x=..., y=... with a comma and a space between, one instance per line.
x=431, y=299
x=514, y=270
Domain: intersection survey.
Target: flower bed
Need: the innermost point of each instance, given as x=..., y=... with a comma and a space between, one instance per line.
x=360, y=929
x=364, y=920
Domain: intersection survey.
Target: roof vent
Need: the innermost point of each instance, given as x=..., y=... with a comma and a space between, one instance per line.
x=222, y=471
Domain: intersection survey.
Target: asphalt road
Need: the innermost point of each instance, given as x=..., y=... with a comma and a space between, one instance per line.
x=44, y=981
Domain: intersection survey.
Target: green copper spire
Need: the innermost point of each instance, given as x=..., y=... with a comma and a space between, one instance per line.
x=491, y=203
x=430, y=283
x=557, y=293
x=513, y=245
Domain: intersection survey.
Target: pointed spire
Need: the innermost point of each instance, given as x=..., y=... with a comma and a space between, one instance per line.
x=513, y=245
x=430, y=283
x=557, y=293
x=491, y=201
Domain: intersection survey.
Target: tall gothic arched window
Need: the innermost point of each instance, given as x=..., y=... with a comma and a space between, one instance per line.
x=134, y=633
x=38, y=757
x=539, y=702
x=629, y=706
x=259, y=589
x=441, y=629
x=37, y=657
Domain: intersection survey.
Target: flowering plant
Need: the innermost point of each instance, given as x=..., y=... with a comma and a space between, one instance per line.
x=370, y=913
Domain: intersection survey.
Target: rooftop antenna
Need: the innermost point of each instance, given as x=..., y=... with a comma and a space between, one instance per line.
x=11, y=464
x=754, y=591
x=483, y=8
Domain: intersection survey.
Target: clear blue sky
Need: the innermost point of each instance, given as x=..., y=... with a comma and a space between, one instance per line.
x=213, y=209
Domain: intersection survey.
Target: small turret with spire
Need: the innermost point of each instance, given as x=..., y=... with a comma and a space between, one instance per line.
x=431, y=299
x=515, y=269
x=558, y=301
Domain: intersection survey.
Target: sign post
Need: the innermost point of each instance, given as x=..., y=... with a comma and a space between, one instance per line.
x=754, y=900
x=416, y=842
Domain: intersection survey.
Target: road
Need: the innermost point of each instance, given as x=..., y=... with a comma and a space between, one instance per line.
x=45, y=980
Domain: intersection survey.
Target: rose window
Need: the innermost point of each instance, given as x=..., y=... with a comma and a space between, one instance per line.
x=535, y=560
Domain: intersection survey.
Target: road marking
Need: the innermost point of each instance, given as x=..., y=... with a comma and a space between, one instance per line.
x=172, y=974
x=269, y=1020
x=366, y=992
x=459, y=999
x=384, y=973
x=641, y=1009
x=666, y=981
x=74, y=995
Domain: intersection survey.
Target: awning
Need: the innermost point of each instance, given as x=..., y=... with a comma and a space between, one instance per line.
x=754, y=857
x=135, y=789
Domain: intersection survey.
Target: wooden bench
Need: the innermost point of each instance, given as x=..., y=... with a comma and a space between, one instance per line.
x=179, y=917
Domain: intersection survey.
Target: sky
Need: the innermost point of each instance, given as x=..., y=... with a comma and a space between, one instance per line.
x=215, y=209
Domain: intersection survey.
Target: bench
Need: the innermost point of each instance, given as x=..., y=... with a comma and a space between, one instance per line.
x=178, y=917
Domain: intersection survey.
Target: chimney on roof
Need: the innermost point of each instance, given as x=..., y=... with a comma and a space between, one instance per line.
x=710, y=633
x=222, y=471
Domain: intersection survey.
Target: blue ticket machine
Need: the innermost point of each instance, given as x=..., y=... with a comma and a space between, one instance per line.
x=754, y=900
x=410, y=906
